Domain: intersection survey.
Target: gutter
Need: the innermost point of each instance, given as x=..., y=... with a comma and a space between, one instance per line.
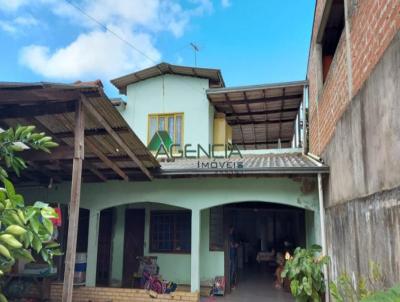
x=276, y=171
x=323, y=233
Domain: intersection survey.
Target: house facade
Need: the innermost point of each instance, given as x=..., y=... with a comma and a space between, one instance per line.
x=354, y=87
x=239, y=162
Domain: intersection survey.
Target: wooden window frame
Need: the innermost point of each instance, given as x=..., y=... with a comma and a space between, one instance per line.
x=166, y=116
x=154, y=250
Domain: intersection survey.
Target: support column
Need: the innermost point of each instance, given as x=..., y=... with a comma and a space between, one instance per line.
x=117, y=255
x=195, y=252
x=73, y=217
x=93, y=240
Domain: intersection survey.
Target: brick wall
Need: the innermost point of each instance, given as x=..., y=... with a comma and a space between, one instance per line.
x=108, y=294
x=372, y=25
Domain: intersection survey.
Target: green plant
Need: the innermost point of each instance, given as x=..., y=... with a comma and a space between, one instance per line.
x=305, y=272
x=366, y=288
x=390, y=295
x=22, y=228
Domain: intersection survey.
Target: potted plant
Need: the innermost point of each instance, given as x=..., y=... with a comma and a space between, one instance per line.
x=305, y=272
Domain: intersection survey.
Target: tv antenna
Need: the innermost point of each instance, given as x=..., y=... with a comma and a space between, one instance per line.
x=196, y=49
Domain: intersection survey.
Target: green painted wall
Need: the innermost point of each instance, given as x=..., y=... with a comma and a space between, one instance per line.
x=170, y=94
x=117, y=247
x=190, y=193
x=211, y=263
x=195, y=194
x=172, y=266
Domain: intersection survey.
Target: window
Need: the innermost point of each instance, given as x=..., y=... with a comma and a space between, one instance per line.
x=171, y=122
x=331, y=34
x=170, y=232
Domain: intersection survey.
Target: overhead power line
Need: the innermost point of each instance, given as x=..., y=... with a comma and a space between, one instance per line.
x=105, y=27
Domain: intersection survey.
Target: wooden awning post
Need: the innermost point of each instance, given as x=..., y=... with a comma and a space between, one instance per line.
x=74, y=202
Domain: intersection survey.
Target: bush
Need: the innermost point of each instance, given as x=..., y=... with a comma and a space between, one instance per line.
x=305, y=272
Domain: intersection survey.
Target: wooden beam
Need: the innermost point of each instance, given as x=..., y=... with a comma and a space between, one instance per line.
x=251, y=116
x=117, y=138
x=91, y=132
x=44, y=171
x=261, y=100
x=74, y=203
x=22, y=111
x=93, y=149
x=265, y=142
x=61, y=152
x=89, y=166
x=232, y=123
x=253, y=113
x=237, y=120
x=33, y=96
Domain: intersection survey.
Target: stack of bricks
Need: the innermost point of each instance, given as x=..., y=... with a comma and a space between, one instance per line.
x=110, y=294
x=372, y=26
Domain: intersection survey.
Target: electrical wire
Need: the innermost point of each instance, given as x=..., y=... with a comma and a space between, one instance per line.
x=106, y=28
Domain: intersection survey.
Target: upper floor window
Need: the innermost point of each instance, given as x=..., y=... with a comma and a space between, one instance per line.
x=170, y=122
x=334, y=22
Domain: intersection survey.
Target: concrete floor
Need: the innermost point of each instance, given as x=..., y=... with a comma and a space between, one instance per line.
x=254, y=287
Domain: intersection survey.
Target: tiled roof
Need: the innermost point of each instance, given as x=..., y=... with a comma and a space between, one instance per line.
x=271, y=163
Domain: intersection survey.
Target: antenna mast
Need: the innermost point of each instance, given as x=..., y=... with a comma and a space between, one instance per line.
x=195, y=51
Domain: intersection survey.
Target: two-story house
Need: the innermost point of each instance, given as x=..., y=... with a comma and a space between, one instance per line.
x=237, y=163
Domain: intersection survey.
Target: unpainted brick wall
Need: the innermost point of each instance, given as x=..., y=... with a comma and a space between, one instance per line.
x=108, y=294
x=372, y=25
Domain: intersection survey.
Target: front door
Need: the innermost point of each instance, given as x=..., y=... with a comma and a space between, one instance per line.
x=104, y=248
x=133, y=244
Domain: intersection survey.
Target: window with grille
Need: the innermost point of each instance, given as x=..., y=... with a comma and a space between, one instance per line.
x=170, y=232
x=170, y=122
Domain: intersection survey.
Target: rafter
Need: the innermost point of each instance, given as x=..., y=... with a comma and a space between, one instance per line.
x=117, y=138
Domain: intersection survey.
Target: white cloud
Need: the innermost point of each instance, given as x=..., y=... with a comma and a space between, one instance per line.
x=26, y=21
x=18, y=25
x=98, y=53
x=226, y=3
x=8, y=27
x=91, y=55
x=11, y=5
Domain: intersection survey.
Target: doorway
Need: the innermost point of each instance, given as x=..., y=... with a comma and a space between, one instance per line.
x=133, y=244
x=104, y=248
x=263, y=233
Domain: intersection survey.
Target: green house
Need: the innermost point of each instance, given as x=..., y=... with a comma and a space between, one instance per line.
x=180, y=212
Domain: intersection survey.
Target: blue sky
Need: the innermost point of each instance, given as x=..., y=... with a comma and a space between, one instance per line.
x=252, y=42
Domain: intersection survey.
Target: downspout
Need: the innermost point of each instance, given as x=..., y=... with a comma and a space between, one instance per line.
x=323, y=233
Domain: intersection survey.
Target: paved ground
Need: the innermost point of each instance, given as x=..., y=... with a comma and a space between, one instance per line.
x=254, y=287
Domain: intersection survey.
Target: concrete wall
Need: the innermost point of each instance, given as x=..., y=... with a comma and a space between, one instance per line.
x=364, y=154
x=171, y=94
x=362, y=192
x=370, y=28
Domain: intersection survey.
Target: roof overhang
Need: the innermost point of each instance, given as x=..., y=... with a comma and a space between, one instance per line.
x=262, y=116
x=213, y=75
x=112, y=150
x=285, y=162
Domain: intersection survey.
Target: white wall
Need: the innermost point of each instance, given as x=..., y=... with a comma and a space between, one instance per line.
x=171, y=94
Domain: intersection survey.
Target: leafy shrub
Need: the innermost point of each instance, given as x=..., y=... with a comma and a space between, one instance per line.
x=22, y=228
x=305, y=272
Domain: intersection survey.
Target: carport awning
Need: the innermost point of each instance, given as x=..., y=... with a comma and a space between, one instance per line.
x=260, y=115
x=112, y=149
